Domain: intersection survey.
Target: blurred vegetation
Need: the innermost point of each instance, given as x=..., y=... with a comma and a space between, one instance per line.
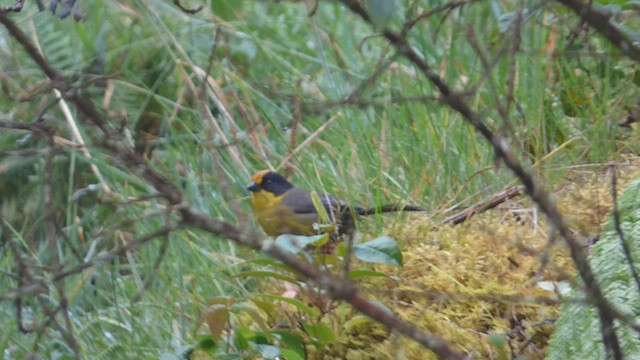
x=291, y=87
x=578, y=324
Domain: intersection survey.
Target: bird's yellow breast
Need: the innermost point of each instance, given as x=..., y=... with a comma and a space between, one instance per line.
x=276, y=218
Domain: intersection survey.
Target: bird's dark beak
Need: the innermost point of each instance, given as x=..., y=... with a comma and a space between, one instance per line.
x=253, y=187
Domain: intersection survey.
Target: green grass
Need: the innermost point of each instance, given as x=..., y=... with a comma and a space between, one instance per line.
x=268, y=57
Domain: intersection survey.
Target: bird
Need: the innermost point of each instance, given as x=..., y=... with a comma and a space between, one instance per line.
x=282, y=208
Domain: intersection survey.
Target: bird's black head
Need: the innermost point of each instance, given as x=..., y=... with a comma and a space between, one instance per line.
x=269, y=181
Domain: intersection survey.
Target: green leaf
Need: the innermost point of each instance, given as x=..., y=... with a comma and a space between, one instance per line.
x=266, y=306
x=320, y=332
x=264, y=261
x=290, y=354
x=499, y=342
x=297, y=303
x=273, y=263
x=261, y=338
x=240, y=341
x=326, y=259
x=297, y=243
x=266, y=274
x=217, y=318
x=359, y=274
x=382, y=250
x=320, y=209
x=380, y=12
x=232, y=356
x=505, y=20
x=253, y=313
x=268, y=351
x=634, y=4
x=206, y=343
x=293, y=342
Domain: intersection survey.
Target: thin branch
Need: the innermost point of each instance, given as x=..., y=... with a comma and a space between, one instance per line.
x=382, y=66
x=187, y=10
x=35, y=127
x=87, y=107
x=318, y=107
x=482, y=206
x=427, y=14
x=17, y=7
x=600, y=21
x=40, y=286
x=516, y=27
x=24, y=275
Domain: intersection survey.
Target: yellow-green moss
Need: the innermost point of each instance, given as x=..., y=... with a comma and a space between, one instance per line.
x=468, y=282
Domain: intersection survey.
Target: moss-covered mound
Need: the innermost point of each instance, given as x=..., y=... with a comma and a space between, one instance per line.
x=479, y=284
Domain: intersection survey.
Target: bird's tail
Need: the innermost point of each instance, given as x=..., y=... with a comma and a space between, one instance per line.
x=387, y=208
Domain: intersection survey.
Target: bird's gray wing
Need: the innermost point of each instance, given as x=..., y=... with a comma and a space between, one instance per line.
x=300, y=201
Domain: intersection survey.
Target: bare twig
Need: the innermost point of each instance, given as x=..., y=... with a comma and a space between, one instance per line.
x=24, y=275
x=51, y=236
x=427, y=14
x=87, y=107
x=318, y=107
x=516, y=28
x=600, y=21
x=17, y=7
x=188, y=11
x=35, y=127
x=484, y=205
x=41, y=286
x=381, y=67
